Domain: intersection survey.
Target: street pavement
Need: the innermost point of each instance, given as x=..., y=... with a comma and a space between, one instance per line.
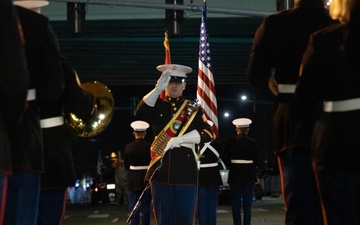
x=267, y=211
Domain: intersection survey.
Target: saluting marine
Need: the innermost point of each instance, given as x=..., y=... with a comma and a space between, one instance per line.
x=179, y=125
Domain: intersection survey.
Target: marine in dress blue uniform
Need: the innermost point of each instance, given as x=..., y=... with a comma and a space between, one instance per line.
x=328, y=98
x=57, y=139
x=209, y=181
x=278, y=46
x=136, y=157
x=173, y=185
x=46, y=85
x=241, y=157
x=14, y=81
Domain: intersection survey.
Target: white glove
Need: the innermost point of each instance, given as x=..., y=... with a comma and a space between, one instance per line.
x=163, y=81
x=151, y=98
x=192, y=137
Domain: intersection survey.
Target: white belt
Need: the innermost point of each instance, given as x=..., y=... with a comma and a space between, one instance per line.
x=206, y=165
x=286, y=88
x=52, y=122
x=31, y=94
x=241, y=161
x=342, y=106
x=139, y=167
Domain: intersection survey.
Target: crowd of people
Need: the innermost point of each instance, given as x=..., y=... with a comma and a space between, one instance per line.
x=307, y=56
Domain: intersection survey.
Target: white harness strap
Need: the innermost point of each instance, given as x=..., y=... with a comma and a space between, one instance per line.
x=208, y=146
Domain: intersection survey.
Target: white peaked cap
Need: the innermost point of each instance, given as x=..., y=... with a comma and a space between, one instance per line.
x=139, y=125
x=33, y=5
x=242, y=122
x=176, y=70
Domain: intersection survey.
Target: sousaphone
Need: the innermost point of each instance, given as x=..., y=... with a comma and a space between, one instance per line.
x=102, y=113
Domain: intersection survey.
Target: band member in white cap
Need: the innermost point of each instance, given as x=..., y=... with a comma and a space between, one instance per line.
x=178, y=125
x=46, y=88
x=14, y=81
x=241, y=157
x=136, y=157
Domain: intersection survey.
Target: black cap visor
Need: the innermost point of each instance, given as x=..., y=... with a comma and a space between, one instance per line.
x=177, y=79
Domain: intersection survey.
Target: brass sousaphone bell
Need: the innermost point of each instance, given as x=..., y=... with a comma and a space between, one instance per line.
x=103, y=110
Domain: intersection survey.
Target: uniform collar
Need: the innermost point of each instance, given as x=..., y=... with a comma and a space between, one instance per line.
x=179, y=99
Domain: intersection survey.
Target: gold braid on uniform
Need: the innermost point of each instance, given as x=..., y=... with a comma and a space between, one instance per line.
x=205, y=132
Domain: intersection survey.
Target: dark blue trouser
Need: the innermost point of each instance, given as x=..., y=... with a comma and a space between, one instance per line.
x=173, y=204
x=22, y=198
x=207, y=205
x=3, y=190
x=340, y=194
x=144, y=207
x=241, y=194
x=52, y=206
x=299, y=190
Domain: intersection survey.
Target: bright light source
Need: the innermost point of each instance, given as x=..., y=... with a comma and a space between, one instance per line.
x=110, y=186
x=243, y=97
x=328, y=3
x=226, y=114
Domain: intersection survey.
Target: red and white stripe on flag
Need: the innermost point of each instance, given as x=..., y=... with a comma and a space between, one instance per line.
x=206, y=93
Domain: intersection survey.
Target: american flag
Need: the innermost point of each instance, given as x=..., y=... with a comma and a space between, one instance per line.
x=206, y=85
x=167, y=57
